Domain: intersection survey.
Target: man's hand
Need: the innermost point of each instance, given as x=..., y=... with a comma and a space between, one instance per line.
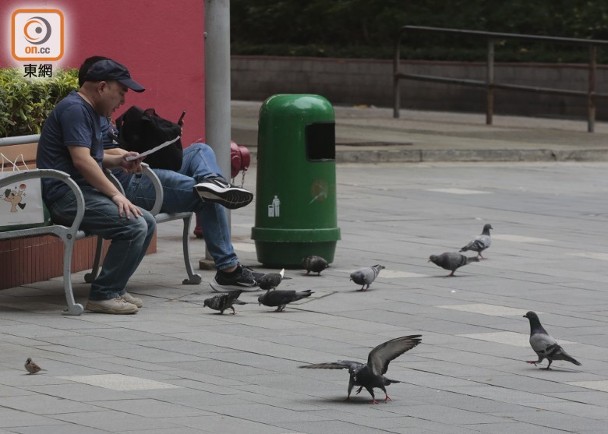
x=133, y=166
x=125, y=207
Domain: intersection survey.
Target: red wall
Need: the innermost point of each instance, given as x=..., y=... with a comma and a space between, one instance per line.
x=160, y=41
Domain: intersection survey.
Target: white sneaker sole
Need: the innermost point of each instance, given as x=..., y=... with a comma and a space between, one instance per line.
x=228, y=288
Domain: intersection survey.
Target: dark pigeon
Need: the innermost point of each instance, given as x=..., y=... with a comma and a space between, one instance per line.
x=270, y=280
x=371, y=375
x=282, y=298
x=452, y=261
x=544, y=344
x=480, y=242
x=314, y=263
x=366, y=275
x=224, y=301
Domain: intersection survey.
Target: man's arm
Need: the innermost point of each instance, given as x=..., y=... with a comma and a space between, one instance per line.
x=92, y=173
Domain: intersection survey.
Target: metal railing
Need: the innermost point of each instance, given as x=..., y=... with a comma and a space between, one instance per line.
x=489, y=83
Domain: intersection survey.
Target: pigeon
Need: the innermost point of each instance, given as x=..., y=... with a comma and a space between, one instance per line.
x=480, y=242
x=452, y=260
x=224, y=301
x=281, y=298
x=313, y=263
x=32, y=367
x=371, y=375
x=366, y=275
x=544, y=344
x=270, y=280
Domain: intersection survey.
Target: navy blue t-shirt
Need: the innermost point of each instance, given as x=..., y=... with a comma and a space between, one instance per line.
x=73, y=122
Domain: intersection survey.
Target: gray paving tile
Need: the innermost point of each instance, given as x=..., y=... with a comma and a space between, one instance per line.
x=45, y=405
x=150, y=408
x=16, y=418
x=59, y=428
x=116, y=421
x=229, y=425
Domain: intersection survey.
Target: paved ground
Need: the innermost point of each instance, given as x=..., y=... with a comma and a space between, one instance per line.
x=370, y=134
x=176, y=367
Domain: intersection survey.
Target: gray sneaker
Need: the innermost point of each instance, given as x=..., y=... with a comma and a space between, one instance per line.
x=116, y=306
x=242, y=278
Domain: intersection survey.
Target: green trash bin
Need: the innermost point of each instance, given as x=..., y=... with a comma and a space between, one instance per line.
x=295, y=214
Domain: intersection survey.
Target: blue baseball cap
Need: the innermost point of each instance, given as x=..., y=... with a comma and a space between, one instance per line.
x=108, y=69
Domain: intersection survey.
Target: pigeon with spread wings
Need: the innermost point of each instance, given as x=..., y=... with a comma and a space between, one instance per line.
x=371, y=375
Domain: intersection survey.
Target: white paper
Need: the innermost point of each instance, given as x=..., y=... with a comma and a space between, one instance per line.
x=154, y=149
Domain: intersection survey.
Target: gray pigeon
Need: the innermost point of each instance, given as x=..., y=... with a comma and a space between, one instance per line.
x=452, y=260
x=270, y=280
x=480, y=242
x=224, y=301
x=371, y=375
x=282, y=298
x=314, y=263
x=544, y=344
x=366, y=275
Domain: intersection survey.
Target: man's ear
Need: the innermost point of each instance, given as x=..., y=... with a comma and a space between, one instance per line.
x=102, y=85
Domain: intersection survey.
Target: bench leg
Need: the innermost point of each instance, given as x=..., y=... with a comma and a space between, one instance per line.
x=73, y=307
x=90, y=277
x=193, y=279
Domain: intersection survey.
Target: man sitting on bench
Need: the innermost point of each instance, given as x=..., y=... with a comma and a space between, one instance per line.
x=71, y=141
x=198, y=187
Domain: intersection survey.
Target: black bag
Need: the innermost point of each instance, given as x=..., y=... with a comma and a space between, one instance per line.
x=140, y=130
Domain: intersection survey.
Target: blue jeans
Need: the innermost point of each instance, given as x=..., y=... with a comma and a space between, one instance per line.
x=179, y=196
x=129, y=238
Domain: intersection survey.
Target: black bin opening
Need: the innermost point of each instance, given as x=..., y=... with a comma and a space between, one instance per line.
x=321, y=141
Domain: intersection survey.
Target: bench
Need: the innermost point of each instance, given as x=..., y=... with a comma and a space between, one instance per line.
x=69, y=234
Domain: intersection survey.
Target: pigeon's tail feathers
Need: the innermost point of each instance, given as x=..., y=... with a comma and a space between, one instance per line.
x=303, y=294
x=472, y=259
x=377, y=268
x=560, y=354
x=388, y=381
x=571, y=359
x=239, y=302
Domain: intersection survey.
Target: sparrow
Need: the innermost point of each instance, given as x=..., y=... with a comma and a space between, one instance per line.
x=32, y=367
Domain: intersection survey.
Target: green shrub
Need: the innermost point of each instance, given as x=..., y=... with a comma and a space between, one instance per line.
x=25, y=103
